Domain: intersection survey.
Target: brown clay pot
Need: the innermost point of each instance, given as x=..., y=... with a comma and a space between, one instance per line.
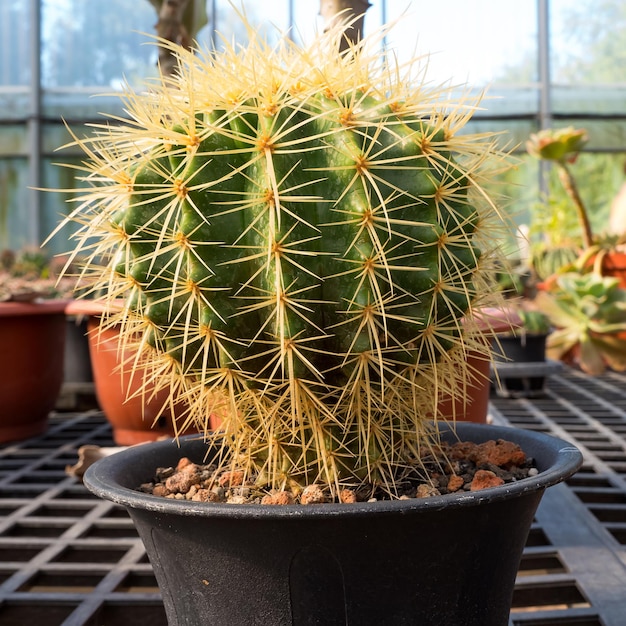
x=476, y=407
x=614, y=264
x=134, y=418
x=32, y=345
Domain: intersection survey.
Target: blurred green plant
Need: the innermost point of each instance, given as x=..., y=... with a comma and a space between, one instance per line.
x=589, y=314
x=563, y=239
x=31, y=274
x=534, y=322
x=561, y=147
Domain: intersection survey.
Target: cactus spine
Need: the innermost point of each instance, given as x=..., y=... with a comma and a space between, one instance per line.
x=296, y=237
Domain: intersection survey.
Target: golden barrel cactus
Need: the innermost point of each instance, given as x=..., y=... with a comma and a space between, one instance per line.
x=299, y=239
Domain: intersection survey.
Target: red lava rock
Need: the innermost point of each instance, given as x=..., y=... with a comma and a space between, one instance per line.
x=461, y=450
x=181, y=482
x=501, y=453
x=231, y=479
x=484, y=479
x=347, y=496
x=279, y=498
x=184, y=462
x=455, y=482
x=312, y=494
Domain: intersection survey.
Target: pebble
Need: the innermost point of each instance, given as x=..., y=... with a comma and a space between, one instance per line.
x=484, y=479
x=347, y=496
x=312, y=494
x=425, y=491
x=278, y=498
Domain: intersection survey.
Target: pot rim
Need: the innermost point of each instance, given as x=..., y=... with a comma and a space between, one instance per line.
x=94, y=308
x=36, y=307
x=498, y=320
x=108, y=478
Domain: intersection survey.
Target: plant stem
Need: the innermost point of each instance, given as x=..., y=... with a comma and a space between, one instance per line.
x=569, y=184
x=351, y=10
x=170, y=27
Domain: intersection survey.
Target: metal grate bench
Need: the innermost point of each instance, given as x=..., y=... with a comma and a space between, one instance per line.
x=70, y=559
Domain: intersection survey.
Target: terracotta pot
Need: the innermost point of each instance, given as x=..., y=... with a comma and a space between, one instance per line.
x=133, y=419
x=614, y=264
x=476, y=407
x=32, y=346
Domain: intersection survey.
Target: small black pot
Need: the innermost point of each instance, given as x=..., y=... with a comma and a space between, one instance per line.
x=526, y=348
x=77, y=363
x=520, y=367
x=447, y=560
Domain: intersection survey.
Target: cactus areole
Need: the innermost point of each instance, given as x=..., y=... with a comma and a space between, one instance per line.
x=298, y=239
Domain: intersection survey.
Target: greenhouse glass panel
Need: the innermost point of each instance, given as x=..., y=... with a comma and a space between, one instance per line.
x=588, y=41
x=56, y=206
x=91, y=47
x=488, y=41
x=13, y=140
x=98, y=43
x=588, y=47
x=14, y=43
x=14, y=199
x=267, y=18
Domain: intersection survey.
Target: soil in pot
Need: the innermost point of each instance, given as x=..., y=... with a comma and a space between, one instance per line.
x=460, y=466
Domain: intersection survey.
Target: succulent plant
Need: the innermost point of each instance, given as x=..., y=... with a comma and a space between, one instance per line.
x=534, y=322
x=29, y=275
x=299, y=239
x=588, y=312
x=562, y=146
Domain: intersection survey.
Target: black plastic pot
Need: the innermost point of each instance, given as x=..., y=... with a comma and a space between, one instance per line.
x=77, y=363
x=520, y=367
x=442, y=561
x=524, y=348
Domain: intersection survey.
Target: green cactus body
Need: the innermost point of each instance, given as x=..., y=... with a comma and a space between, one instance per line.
x=297, y=242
